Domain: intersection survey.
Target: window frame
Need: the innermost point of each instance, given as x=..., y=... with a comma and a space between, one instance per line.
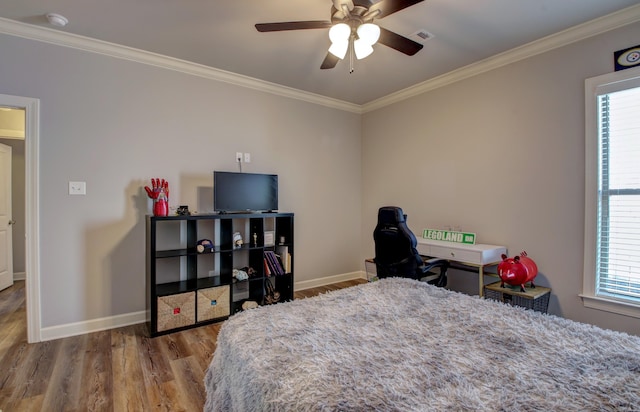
x=594, y=87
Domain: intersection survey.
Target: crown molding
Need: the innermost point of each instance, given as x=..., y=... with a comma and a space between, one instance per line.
x=591, y=28
x=574, y=34
x=43, y=34
x=11, y=134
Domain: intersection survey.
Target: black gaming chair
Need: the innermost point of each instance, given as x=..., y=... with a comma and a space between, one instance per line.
x=396, y=253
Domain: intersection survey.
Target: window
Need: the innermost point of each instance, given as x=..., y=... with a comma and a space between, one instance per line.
x=612, y=197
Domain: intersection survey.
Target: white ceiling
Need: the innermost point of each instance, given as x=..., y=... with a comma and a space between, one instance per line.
x=221, y=34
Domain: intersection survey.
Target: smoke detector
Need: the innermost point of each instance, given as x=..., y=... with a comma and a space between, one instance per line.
x=57, y=19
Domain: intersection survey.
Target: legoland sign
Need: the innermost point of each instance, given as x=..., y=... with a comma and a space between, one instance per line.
x=449, y=236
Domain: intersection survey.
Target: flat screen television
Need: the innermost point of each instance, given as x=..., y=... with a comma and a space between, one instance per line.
x=244, y=192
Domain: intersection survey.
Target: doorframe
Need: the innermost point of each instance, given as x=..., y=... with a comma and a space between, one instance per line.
x=32, y=210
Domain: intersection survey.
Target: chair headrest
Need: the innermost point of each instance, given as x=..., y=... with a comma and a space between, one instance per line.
x=390, y=215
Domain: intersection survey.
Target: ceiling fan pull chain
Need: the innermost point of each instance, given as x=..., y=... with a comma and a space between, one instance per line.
x=351, y=55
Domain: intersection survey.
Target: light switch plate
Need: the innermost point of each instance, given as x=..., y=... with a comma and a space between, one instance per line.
x=77, y=188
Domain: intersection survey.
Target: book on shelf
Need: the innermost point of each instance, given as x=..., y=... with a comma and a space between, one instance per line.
x=280, y=264
x=269, y=261
x=285, y=257
x=267, y=270
x=277, y=263
x=273, y=262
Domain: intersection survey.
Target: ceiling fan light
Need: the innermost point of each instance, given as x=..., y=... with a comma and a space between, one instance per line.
x=339, y=32
x=369, y=32
x=339, y=48
x=362, y=49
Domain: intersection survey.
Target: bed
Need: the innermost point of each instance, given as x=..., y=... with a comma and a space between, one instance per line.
x=402, y=345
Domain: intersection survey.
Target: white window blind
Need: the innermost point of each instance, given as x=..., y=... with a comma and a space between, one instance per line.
x=618, y=211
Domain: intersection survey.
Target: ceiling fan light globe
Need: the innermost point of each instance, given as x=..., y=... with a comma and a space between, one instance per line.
x=339, y=48
x=362, y=49
x=339, y=32
x=369, y=33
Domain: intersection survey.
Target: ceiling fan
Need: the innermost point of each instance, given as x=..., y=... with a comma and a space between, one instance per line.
x=352, y=29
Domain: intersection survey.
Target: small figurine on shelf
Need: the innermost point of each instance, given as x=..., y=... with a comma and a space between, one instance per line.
x=237, y=240
x=159, y=192
x=255, y=239
x=250, y=271
x=240, y=274
x=183, y=211
x=204, y=245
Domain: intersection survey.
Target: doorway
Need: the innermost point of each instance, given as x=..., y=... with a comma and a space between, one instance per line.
x=12, y=229
x=31, y=224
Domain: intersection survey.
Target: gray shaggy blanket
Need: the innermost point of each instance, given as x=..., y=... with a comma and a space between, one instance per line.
x=402, y=345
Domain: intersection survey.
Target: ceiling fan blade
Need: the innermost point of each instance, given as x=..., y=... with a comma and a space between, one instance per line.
x=387, y=7
x=398, y=42
x=329, y=62
x=293, y=25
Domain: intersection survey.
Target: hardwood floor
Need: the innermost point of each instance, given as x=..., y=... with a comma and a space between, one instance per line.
x=116, y=370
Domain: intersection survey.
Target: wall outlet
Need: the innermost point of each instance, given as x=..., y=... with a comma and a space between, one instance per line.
x=247, y=157
x=239, y=157
x=77, y=188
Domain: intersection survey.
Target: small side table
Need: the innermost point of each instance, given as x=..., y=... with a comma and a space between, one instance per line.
x=534, y=298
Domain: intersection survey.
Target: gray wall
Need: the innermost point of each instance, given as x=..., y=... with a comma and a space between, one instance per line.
x=500, y=154
x=115, y=124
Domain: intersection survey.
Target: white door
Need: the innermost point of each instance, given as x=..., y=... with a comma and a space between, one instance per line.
x=6, y=252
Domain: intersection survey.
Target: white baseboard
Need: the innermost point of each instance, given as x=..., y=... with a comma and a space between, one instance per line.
x=95, y=325
x=308, y=284
x=111, y=322
x=19, y=276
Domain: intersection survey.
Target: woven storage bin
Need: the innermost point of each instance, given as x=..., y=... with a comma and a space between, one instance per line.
x=534, y=298
x=175, y=311
x=213, y=303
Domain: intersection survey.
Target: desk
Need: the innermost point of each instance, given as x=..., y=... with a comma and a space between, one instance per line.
x=477, y=256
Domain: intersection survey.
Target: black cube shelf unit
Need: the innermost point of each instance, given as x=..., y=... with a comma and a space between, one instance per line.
x=186, y=288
